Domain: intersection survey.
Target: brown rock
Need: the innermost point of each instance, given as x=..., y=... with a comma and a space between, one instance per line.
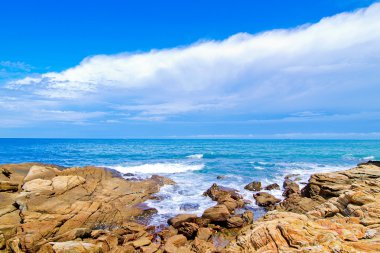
x=272, y=187
x=247, y=217
x=235, y=222
x=204, y=233
x=265, y=199
x=253, y=186
x=175, y=242
x=143, y=241
x=2, y=241
x=216, y=213
x=290, y=187
x=59, y=205
x=216, y=192
x=150, y=248
x=75, y=246
x=188, y=229
x=7, y=186
x=162, y=180
x=202, y=246
x=41, y=172
x=181, y=218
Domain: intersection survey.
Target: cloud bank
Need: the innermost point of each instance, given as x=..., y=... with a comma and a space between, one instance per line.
x=330, y=67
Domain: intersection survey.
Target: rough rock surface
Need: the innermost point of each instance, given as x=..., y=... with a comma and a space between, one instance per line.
x=253, y=186
x=265, y=199
x=54, y=205
x=340, y=213
x=91, y=210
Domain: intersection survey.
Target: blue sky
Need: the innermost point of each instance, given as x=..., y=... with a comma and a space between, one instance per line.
x=215, y=69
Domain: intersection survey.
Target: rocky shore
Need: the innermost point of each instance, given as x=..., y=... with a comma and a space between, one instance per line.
x=47, y=208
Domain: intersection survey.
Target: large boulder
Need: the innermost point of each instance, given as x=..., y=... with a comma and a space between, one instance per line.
x=216, y=213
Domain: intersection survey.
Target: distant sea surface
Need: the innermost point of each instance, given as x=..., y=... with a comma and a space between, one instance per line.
x=195, y=164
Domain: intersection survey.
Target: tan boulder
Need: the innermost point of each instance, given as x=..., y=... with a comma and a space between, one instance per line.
x=181, y=218
x=235, y=222
x=62, y=184
x=204, y=233
x=216, y=213
x=173, y=244
x=41, y=172
x=265, y=199
x=75, y=246
x=188, y=229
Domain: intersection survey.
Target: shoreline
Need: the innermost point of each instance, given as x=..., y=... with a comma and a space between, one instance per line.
x=47, y=208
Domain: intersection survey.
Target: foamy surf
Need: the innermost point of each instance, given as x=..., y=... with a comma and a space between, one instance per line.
x=159, y=168
x=195, y=156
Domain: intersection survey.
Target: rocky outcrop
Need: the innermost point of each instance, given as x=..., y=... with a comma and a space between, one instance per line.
x=42, y=205
x=92, y=210
x=335, y=212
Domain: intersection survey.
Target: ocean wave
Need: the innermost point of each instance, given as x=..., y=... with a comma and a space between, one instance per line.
x=159, y=168
x=195, y=156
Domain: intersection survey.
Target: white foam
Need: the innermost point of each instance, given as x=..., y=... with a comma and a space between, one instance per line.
x=159, y=168
x=368, y=158
x=195, y=156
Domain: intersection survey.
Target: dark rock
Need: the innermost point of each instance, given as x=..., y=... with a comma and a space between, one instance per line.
x=272, y=187
x=253, y=186
x=189, y=207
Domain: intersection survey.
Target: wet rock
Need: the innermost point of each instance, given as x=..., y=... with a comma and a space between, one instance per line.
x=189, y=207
x=253, y=186
x=216, y=192
x=265, y=199
x=128, y=175
x=188, y=229
x=290, y=187
x=272, y=187
x=216, y=213
x=162, y=180
x=220, y=177
x=181, y=218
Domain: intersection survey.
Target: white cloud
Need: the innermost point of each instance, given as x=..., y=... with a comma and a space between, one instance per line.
x=331, y=65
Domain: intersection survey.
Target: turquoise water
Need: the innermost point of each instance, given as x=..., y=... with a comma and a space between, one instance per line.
x=195, y=164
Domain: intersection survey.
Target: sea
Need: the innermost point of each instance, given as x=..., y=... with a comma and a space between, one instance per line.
x=195, y=164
